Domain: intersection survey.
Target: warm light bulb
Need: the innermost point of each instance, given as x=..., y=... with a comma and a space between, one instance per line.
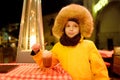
x=32, y=40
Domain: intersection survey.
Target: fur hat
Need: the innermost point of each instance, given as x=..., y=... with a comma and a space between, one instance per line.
x=73, y=11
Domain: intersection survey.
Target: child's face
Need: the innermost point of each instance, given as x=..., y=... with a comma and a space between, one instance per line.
x=71, y=29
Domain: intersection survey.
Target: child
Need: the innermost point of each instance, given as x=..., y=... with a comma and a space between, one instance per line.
x=79, y=57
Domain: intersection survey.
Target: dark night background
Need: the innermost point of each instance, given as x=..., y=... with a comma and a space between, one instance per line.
x=10, y=10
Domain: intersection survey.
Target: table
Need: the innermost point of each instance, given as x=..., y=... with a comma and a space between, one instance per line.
x=116, y=60
x=106, y=53
x=108, y=59
x=31, y=71
x=107, y=56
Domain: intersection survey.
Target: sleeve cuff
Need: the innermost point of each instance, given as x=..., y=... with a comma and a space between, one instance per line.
x=32, y=53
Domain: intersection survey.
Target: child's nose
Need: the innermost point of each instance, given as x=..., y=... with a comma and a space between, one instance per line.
x=71, y=27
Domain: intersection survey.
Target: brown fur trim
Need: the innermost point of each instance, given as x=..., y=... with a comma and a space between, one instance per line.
x=73, y=11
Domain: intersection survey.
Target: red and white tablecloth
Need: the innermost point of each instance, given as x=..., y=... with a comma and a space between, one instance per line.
x=106, y=53
x=31, y=71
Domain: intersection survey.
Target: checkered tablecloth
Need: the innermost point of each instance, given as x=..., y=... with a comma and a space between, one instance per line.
x=31, y=71
x=106, y=53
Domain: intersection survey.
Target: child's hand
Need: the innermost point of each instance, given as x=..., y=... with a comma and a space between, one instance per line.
x=36, y=47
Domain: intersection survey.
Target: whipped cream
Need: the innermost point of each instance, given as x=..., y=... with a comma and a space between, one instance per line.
x=46, y=53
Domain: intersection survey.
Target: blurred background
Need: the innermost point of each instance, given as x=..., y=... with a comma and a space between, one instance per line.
x=106, y=14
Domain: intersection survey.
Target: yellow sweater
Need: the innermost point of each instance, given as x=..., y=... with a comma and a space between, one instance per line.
x=82, y=62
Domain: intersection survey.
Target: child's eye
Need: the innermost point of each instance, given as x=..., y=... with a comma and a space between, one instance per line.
x=75, y=26
x=68, y=26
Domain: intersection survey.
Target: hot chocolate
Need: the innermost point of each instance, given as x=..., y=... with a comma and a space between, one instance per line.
x=47, y=59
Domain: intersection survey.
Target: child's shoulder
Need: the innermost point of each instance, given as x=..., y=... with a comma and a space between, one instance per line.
x=57, y=44
x=88, y=41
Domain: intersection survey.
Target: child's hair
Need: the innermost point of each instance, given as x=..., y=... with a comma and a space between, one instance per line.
x=74, y=19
